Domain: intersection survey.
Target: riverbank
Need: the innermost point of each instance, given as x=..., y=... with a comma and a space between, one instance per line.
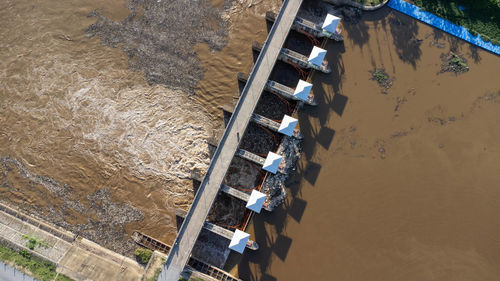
x=365, y=5
x=478, y=16
x=30, y=265
x=370, y=2
x=442, y=24
x=8, y=273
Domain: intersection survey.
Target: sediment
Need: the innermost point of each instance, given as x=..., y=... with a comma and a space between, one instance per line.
x=159, y=36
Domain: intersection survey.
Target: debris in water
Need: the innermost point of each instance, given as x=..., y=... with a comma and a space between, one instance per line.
x=382, y=78
x=159, y=36
x=455, y=63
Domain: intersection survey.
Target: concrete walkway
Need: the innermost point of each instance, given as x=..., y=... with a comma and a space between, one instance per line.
x=190, y=229
x=79, y=259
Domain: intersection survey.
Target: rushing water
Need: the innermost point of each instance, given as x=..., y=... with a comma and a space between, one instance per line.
x=247, y=24
x=396, y=186
x=88, y=144
x=84, y=141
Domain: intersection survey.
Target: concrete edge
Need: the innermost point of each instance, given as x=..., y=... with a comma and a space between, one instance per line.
x=357, y=5
x=17, y=247
x=79, y=243
x=373, y=8
x=38, y=222
x=150, y=265
x=100, y=250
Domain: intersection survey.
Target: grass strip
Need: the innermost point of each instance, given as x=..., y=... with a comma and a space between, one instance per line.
x=478, y=16
x=31, y=265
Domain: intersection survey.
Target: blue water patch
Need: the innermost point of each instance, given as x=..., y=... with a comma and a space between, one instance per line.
x=440, y=23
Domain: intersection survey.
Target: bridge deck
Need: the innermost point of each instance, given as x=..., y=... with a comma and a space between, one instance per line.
x=204, y=198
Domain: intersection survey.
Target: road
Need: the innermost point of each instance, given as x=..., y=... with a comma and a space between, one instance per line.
x=204, y=198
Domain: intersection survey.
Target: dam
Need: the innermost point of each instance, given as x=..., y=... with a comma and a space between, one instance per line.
x=230, y=141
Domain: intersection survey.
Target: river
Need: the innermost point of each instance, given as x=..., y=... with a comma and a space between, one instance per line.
x=400, y=185
x=96, y=134
x=85, y=142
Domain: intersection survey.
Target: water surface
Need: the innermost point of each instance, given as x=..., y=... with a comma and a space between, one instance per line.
x=85, y=142
x=396, y=186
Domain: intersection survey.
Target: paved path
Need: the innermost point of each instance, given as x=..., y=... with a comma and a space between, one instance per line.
x=204, y=198
x=80, y=259
x=440, y=23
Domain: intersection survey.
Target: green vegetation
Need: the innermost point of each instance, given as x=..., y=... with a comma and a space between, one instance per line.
x=454, y=63
x=382, y=79
x=478, y=16
x=380, y=76
x=158, y=270
x=155, y=276
x=456, y=60
x=143, y=255
x=33, y=241
x=34, y=266
x=369, y=2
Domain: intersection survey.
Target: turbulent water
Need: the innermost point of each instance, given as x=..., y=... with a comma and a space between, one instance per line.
x=84, y=141
x=100, y=134
x=246, y=24
x=394, y=184
x=158, y=37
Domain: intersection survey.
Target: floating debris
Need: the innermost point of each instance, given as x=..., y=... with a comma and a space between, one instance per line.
x=382, y=78
x=274, y=185
x=453, y=63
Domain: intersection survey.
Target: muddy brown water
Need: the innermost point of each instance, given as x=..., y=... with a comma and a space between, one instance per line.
x=396, y=186
x=219, y=84
x=85, y=142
